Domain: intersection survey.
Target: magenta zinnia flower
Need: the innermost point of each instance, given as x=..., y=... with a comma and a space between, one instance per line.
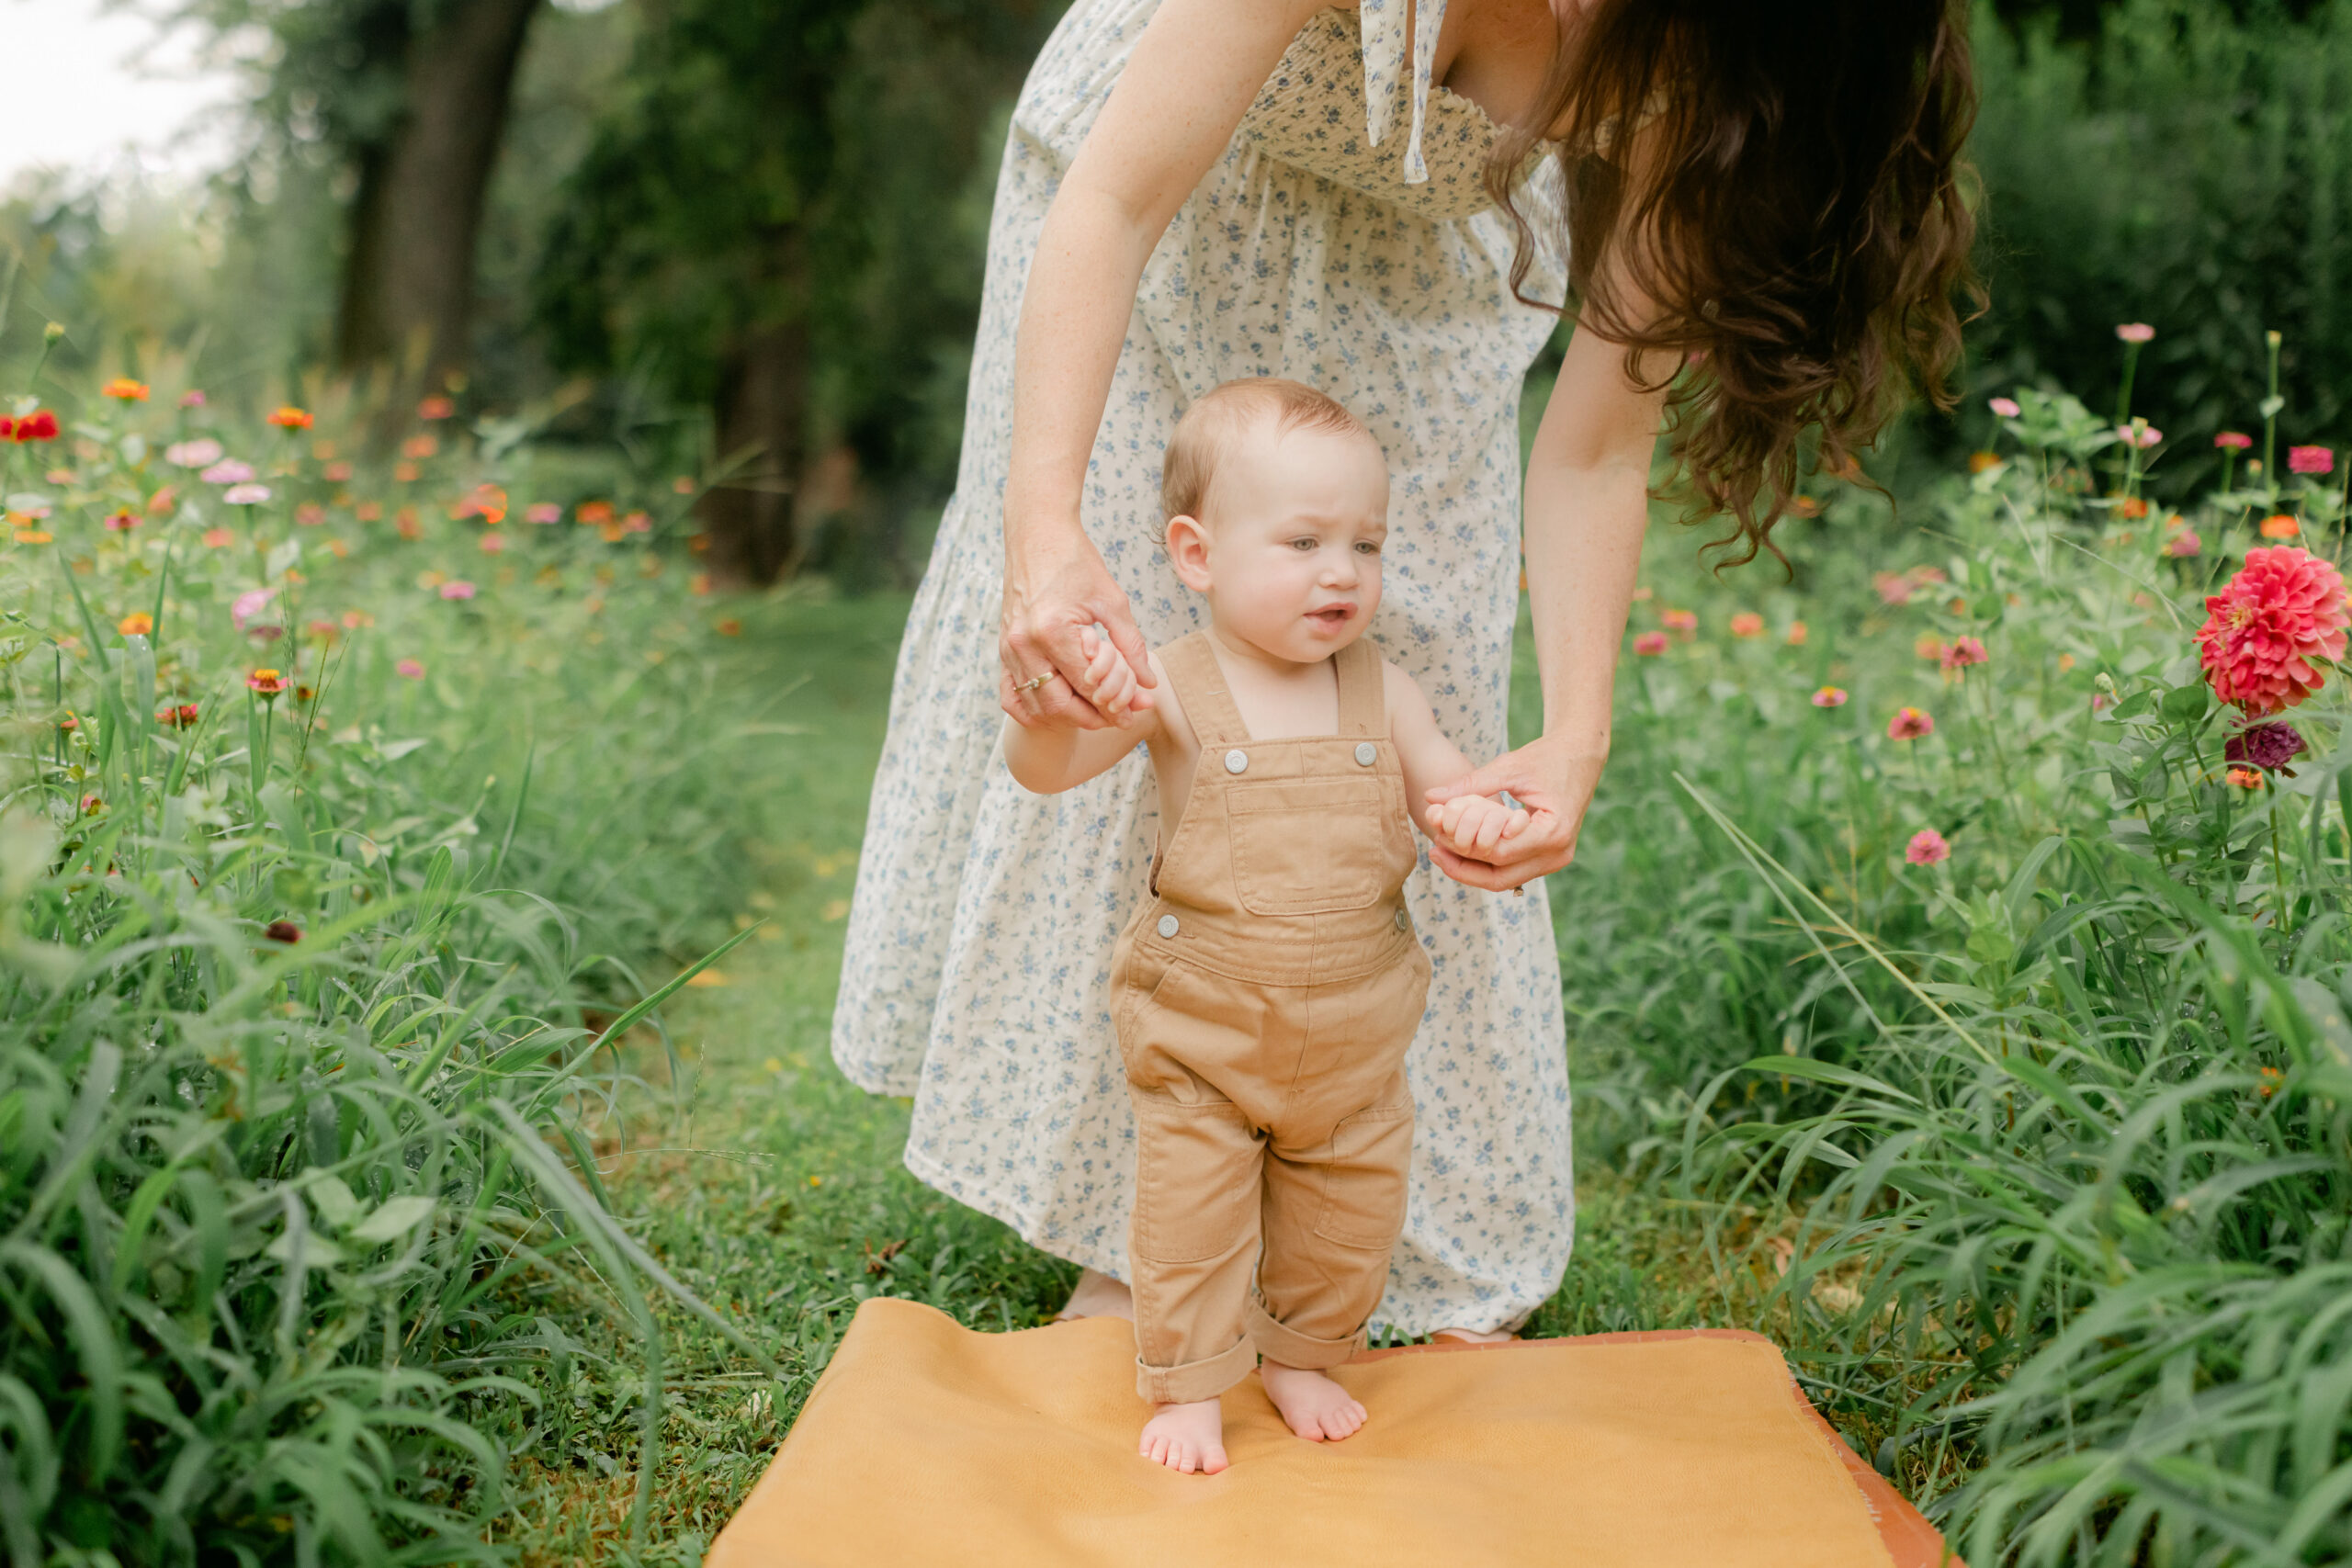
x=1910, y=724
x=457, y=588
x=228, y=472
x=2233, y=441
x=1965, y=652
x=1649, y=645
x=2310, y=460
x=1926, y=847
x=2283, y=610
x=1829, y=697
x=2184, y=543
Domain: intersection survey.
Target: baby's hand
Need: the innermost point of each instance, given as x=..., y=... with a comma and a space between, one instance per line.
x=1108, y=681
x=1472, y=824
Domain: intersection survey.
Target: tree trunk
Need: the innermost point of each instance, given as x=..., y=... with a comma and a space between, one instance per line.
x=761, y=422
x=408, y=282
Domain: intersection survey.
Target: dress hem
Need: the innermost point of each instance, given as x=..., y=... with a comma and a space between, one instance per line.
x=1513, y=1315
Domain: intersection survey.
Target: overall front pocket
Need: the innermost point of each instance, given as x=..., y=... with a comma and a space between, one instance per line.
x=1308, y=847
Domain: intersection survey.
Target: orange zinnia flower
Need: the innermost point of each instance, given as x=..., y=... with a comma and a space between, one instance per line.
x=268, y=682
x=2280, y=527
x=138, y=623
x=122, y=389
x=289, y=417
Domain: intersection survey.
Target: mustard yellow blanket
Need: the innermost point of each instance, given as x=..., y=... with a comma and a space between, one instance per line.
x=925, y=1442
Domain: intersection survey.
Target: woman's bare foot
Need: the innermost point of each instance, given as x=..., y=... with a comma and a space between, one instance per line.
x=1186, y=1437
x=1475, y=1335
x=1316, y=1408
x=1098, y=1295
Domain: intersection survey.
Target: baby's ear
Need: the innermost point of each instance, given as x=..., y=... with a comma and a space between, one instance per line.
x=1188, y=551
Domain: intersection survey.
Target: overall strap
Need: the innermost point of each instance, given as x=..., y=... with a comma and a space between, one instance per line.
x=1200, y=685
x=1364, y=695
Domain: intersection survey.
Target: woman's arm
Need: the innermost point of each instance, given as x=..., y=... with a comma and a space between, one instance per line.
x=1193, y=72
x=1588, y=506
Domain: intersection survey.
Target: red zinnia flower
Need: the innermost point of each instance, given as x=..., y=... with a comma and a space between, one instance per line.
x=2284, y=609
x=1649, y=645
x=38, y=425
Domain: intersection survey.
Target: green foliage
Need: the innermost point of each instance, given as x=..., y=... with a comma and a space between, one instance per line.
x=305, y=994
x=2045, y=1149
x=2187, y=165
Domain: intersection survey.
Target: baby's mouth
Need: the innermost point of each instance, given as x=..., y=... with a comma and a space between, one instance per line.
x=1333, y=617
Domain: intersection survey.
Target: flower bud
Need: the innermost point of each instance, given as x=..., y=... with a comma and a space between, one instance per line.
x=2103, y=682
x=51, y=332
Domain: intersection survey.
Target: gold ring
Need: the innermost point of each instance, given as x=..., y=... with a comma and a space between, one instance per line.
x=1035, y=681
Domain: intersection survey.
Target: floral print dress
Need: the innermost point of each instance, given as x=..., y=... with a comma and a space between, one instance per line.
x=1345, y=239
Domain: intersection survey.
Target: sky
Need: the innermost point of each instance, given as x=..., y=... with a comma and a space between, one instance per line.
x=74, y=98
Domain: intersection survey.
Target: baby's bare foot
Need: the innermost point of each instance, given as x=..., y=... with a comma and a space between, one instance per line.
x=1316, y=1408
x=1186, y=1437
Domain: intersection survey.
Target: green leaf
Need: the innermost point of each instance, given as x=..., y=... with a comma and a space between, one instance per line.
x=395, y=1219
x=2186, y=705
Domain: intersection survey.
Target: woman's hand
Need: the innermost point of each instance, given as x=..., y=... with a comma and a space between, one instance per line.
x=1554, y=782
x=1053, y=592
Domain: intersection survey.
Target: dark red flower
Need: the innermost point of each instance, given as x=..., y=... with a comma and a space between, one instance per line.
x=2267, y=746
x=283, y=930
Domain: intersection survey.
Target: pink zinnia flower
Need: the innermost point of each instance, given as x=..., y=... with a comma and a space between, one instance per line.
x=230, y=472
x=410, y=667
x=2005, y=407
x=2138, y=436
x=1927, y=847
x=1965, y=652
x=1910, y=724
x=245, y=495
x=1894, y=588
x=2135, y=332
x=2310, y=460
x=248, y=605
x=2283, y=610
x=492, y=543
x=1829, y=697
x=543, y=512
x=2233, y=441
x=192, y=399
x=2184, y=543
x=1683, y=623
x=196, y=454
x=457, y=588
x=1650, y=644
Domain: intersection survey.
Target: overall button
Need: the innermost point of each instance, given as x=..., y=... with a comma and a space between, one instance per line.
x=1403, y=923
x=1167, y=924
x=1235, y=762
x=1366, y=751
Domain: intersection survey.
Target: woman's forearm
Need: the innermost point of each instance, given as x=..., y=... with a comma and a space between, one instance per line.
x=1073, y=321
x=1584, y=549
x=1193, y=71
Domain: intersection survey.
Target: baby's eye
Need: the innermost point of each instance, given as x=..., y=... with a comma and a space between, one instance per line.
x=1305, y=544
x=1367, y=548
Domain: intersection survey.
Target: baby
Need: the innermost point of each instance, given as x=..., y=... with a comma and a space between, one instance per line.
x=1266, y=991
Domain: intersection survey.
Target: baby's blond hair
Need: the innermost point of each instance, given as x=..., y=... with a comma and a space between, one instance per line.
x=1210, y=425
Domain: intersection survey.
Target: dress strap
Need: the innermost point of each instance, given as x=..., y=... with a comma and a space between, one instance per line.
x=1364, y=693
x=1386, y=44
x=1193, y=671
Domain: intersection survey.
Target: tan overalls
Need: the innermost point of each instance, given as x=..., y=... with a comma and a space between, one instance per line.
x=1264, y=998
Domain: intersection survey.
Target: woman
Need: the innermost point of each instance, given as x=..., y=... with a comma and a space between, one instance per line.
x=1763, y=232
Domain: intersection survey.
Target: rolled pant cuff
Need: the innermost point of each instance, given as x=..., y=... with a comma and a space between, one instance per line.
x=1195, y=1379
x=1278, y=1343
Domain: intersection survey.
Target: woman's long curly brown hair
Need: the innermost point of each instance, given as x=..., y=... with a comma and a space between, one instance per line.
x=1786, y=214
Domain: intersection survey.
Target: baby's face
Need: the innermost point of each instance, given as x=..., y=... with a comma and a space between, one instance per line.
x=1290, y=554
